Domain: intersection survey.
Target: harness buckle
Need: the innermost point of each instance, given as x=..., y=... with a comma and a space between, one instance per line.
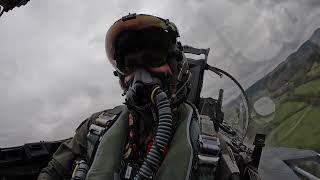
x=105, y=120
x=96, y=130
x=209, y=145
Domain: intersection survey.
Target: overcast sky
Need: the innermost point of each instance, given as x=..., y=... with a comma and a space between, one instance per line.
x=54, y=72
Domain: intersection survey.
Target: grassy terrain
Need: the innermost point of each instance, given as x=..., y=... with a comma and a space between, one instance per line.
x=300, y=130
x=315, y=70
x=296, y=120
x=311, y=88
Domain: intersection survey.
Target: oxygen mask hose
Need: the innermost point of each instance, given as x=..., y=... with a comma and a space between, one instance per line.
x=144, y=89
x=162, y=135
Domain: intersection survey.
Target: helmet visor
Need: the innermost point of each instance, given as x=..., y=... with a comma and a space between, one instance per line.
x=148, y=47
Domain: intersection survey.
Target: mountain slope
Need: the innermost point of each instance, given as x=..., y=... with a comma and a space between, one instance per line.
x=294, y=87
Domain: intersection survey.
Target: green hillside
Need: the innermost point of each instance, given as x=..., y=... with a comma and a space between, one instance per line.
x=297, y=117
x=296, y=120
x=293, y=89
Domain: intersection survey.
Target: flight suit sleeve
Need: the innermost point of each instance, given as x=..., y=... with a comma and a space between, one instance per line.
x=60, y=166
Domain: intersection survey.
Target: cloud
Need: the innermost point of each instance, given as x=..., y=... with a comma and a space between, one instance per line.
x=54, y=74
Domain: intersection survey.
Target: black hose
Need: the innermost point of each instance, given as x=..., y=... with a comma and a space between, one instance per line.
x=161, y=140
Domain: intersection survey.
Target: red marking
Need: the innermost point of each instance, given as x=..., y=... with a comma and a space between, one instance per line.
x=130, y=119
x=131, y=134
x=149, y=145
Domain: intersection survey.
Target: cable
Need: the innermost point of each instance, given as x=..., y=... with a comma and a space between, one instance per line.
x=184, y=84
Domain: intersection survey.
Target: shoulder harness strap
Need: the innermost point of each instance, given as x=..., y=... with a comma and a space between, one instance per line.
x=97, y=129
x=209, y=149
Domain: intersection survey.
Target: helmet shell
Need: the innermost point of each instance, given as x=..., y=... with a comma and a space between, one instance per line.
x=133, y=22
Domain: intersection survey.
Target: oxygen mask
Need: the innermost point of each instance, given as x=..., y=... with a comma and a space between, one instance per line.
x=140, y=89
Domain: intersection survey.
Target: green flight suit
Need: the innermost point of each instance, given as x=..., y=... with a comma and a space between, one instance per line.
x=60, y=167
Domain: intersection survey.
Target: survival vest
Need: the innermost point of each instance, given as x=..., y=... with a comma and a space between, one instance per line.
x=193, y=152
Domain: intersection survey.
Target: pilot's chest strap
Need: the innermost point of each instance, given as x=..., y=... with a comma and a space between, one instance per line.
x=98, y=128
x=209, y=149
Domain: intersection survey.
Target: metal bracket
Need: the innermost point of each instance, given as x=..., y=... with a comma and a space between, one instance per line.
x=196, y=51
x=34, y=150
